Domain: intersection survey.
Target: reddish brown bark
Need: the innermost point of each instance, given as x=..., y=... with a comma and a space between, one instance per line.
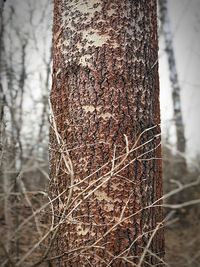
x=105, y=102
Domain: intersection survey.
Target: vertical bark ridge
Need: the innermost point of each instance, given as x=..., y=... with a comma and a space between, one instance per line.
x=106, y=91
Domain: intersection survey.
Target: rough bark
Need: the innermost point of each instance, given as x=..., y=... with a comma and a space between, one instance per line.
x=176, y=90
x=105, y=137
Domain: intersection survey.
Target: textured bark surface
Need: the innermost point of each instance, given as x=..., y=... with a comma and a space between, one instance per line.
x=105, y=145
x=176, y=91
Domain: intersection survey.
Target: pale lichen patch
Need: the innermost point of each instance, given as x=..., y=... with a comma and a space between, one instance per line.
x=91, y=108
x=84, y=162
x=58, y=71
x=81, y=230
x=82, y=8
x=98, y=108
x=109, y=207
x=86, y=7
x=66, y=42
x=105, y=115
x=84, y=60
x=111, y=11
x=94, y=38
x=114, y=44
x=115, y=186
x=79, y=46
x=100, y=195
x=88, y=108
x=76, y=188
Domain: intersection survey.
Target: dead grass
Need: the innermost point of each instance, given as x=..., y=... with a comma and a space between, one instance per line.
x=183, y=240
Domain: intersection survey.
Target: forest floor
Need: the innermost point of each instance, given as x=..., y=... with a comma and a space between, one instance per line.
x=183, y=240
x=182, y=235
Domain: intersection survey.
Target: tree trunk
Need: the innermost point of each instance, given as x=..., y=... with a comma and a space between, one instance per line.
x=176, y=91
x=105, y=151
x=1, y=14
x=4, y=147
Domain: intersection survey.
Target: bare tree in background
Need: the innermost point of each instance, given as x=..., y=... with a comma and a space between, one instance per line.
x=23, y=163
x=1, y=13
x=2, y=96
x=176, y=90
x=105, y=156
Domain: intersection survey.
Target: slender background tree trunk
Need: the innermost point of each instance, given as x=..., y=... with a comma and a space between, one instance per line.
x=4, y=157
x=176, y=90
x=105, y=138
